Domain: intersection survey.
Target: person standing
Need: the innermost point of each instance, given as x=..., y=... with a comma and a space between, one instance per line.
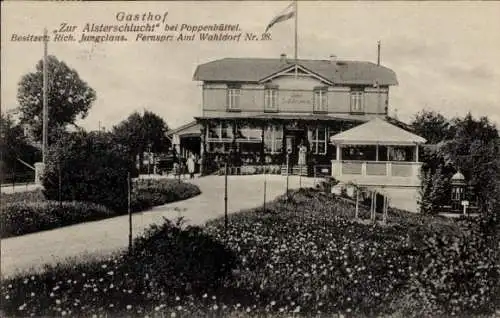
x=191, y=166
x=302, y=155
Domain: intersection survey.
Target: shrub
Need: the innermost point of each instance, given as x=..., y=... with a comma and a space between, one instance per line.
x=181, y=259
x=91, y=169
x=148, y=193
x=29, y=212
x=28, y=217
x=26, y=196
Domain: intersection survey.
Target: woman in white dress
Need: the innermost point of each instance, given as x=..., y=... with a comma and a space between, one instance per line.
x=302, y=154
x=191, y=166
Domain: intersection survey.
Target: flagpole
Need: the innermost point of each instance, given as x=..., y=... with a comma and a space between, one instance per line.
x=296, y=33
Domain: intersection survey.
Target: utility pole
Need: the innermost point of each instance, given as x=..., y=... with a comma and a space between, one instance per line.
x=45, y=99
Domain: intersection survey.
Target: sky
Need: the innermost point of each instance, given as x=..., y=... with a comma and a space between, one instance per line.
x=446, y=54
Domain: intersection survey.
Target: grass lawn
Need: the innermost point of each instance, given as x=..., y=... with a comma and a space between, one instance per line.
x=305, y=256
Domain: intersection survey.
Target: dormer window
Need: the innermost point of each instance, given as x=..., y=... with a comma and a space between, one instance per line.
x=233, y=97
x=357, y=101
x=320, y=99
x=271, y=98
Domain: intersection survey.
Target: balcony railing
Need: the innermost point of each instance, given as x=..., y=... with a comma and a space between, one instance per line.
x=376, y=168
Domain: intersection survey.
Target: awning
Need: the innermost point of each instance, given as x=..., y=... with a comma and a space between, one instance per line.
x=377, y=132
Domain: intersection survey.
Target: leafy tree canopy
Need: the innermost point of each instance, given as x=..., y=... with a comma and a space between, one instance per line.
x=431, y=125
x=142, y=133
x=14, y=145
x=69, y=97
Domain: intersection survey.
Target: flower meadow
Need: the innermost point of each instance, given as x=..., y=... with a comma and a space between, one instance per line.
x=301, y=257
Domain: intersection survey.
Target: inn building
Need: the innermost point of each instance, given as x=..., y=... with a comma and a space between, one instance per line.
x=326, y=116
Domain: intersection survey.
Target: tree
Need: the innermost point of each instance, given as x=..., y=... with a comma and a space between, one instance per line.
x=142, y=133
x=14, y=146
x=474, y=151
x=69, y=97
x=431, y=125
x=91, y=168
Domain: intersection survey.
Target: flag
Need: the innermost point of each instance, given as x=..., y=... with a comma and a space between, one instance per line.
x=288, y=13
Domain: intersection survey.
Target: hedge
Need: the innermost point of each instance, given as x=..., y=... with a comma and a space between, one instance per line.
x=28, y=217
x=29, y=212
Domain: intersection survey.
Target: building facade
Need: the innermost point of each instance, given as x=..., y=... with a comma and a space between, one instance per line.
x=274, y=112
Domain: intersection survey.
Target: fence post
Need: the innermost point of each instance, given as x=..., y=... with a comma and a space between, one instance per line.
x=129, y=210
x=60, y=185
x=357, y=204
x=287, y=172
x=265, y=186
x=225, y=199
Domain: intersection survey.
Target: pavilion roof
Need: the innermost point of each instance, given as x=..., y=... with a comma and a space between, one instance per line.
x=377, y=131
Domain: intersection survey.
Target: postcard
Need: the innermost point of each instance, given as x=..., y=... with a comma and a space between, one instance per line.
x=250, y=159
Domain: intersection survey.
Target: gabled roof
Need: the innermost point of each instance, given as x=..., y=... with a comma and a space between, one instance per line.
x=257, y=69
x=377, y=131
x=191, y=128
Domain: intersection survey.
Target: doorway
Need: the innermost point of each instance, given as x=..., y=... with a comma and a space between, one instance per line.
x=293, y=141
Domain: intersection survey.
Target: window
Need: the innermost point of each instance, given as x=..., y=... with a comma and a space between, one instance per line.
x=320, y=99
x=319, y=140
x=248, y=133
x=357, y=103
x=233, y=97
x=219, y=137
x=273, y=139
x=271, y=99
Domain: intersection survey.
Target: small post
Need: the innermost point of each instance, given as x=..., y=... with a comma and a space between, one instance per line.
x=225, y=198
x=374, y=206
x=287, y=172
x=265, y=186
x=300, y=177
x=14, y=178
x=384, y=211
x=129, y=213
x=60, y=184
x=357, y=204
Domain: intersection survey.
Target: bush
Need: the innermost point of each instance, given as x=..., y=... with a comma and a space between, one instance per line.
x=29, y=212
x=91, y=169
x=27, y=196
x=149, y=193
x=29, y=217
x=181, y=259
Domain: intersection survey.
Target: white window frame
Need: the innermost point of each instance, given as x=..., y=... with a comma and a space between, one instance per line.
x=320, y=102
x=357, y=102
x=219, y=127
x=271, y=99
x=276, y=134
x=315, y=141
x=233, y=97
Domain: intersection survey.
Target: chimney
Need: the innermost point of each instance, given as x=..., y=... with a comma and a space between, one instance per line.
x=333, y=59
x=283, y=58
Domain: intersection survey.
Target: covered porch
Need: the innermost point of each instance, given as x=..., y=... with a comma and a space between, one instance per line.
x=377, y=153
